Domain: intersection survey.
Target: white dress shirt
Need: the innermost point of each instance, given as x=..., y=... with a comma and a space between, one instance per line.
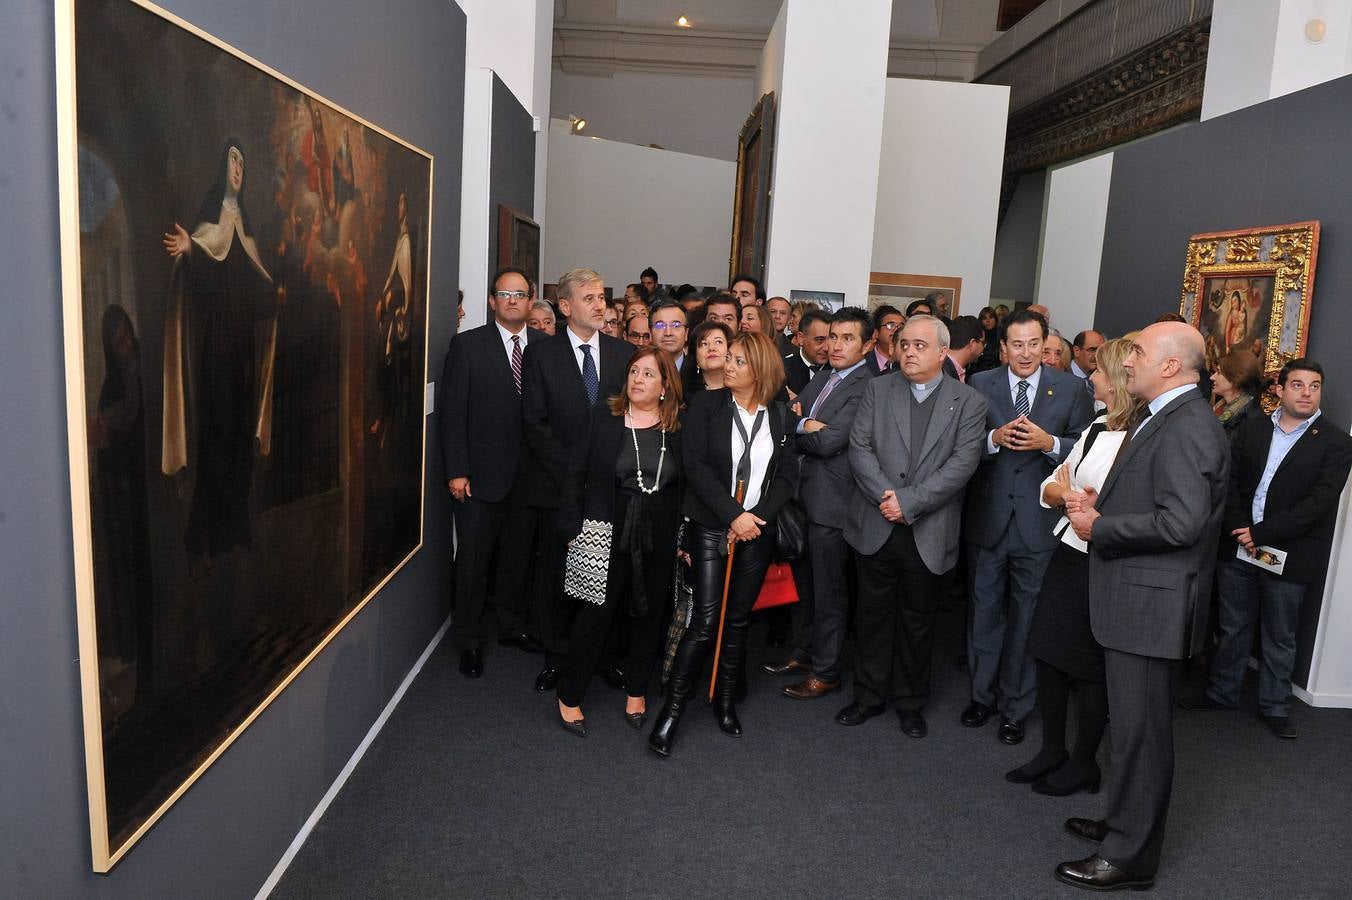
x=1033, y=381
x=1085, y=471
x=507, y=340
x=762, y=449
x=594, y=343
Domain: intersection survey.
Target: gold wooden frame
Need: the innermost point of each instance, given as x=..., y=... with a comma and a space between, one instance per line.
x=105, y=856
x=1288, y=254
x=929, y=282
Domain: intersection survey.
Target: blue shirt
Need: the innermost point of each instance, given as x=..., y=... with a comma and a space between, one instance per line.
x=1282, y=442
x=1033, y=381
x=1160, y=402
x=841, y=374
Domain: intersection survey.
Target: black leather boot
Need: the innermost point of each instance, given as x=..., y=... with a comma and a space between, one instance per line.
x=730, y=665
x=689, y=659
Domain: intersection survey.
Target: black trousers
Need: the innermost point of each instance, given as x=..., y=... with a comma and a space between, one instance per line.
x=894, y=630
x=486, y=532
x=592, y=626
x=551, y=615
x=708, y=565
x=802, y=615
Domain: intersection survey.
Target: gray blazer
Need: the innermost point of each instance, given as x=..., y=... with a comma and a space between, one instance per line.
x=929, y=480
x=1009, y=483
x=824, y=480
x=1154, y=545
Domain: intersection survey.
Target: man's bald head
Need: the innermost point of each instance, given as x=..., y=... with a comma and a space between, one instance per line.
x=1164, y=356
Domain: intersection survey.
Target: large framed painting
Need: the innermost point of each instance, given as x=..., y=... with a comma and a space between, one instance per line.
x=518, y=242
x=245, y=272
x=1251, y=289
x=902, y=290
x=751, y=196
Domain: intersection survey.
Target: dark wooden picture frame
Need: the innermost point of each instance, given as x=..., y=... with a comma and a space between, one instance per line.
x=518, y=242
x=751, y=196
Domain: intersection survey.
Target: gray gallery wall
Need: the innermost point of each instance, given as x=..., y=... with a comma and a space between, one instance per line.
x=1277, y=162
x=1014, y=270
x=511, y=169
x=399, y=64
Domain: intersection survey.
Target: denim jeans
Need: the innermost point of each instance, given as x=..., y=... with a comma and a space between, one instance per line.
x=1250, y=596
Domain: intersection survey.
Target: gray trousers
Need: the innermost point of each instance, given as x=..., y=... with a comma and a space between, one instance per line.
x=1141, y=691
x=831, y=558
x=1248, y=597
x=1006, y=580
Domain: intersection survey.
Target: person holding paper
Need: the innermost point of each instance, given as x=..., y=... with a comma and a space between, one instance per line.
x=1287, y=472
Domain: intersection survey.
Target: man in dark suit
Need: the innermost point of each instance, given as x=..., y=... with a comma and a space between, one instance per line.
x=825, y=412
x=968, y=342
x=915, y=443
x=887, y=321
x=814, y=334
x=1034, y=418
x=1287, y=472
x=1152, y=532
x=564, y=377
x=481, y=442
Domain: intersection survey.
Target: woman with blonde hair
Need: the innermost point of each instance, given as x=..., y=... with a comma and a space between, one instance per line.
x=755, y=318
x=739, y=472
x=1061, y=641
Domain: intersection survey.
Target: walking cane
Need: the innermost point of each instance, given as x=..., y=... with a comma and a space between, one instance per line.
x=723, y=611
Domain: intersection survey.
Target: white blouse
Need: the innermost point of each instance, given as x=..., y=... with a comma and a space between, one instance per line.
x=1085, y=471
x=762, y=449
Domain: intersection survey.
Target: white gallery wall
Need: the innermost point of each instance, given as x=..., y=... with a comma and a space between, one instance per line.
x=939, y=182
x=827, y=63
x=618, y=208
x=1072, y=241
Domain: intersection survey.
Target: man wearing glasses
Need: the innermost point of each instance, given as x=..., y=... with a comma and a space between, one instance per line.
x=481, y=439
x=611, y=326
x=887, y=320
x=637, y=331
x=668, y=329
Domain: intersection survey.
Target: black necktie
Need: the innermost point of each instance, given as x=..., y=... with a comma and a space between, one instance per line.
x=744, y=464
x=590, y=381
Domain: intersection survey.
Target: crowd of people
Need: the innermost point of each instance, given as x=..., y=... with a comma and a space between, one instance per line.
x=624, y=473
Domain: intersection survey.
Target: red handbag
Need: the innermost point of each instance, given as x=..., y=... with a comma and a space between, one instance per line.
x=778, y=588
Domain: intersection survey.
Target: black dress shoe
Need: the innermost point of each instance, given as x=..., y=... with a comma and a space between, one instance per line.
x=790, y=666
x=548, y=679
x=471, y=663
x=1202, y=704
x=912, y=723
x=1091, y=830
x=857, y=713
x=1281, y=726
x=1011, y=731
x=522, y=641
x=1067, y=780
x=1097, y=874
x=976, y=715
x=664, y=734
x=611, y=675
x=577, y=727
x=1035, y=768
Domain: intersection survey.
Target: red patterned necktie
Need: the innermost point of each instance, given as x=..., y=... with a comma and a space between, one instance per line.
x=516, y=361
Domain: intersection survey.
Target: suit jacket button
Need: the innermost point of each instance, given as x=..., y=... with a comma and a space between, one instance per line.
x=1011, y=496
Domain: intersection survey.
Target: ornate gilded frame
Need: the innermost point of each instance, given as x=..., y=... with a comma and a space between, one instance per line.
x=1287, y=253
x=755, y=156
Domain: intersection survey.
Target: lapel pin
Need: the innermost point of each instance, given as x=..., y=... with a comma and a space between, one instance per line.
x=1049, y=392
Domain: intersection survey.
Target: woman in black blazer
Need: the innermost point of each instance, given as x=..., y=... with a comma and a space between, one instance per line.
x=627, y=473
x=737, y=433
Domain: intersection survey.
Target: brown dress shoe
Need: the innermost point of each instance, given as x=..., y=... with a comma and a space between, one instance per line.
x=1092, y=830
x=790, y=666
x=810, y=688
x=1097, y=874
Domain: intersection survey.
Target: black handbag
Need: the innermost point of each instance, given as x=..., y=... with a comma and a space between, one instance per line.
x=791, y=532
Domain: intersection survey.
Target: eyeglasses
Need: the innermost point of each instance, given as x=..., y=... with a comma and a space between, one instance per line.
x=663, y=326
x=891, y=326
x=639, y=336
x=511, y=295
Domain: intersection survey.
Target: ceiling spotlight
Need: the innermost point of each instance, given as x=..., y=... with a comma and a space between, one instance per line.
x=576, y=124
x=682, y=22
x=1315, y=29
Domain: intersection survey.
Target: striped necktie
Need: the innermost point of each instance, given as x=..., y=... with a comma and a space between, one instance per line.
x=1021, y=400
x=516, y=361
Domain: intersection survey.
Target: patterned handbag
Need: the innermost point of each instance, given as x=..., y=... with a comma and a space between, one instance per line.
x=588, y=562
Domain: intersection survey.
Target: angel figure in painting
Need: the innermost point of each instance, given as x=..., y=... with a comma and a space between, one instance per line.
x=220, y=343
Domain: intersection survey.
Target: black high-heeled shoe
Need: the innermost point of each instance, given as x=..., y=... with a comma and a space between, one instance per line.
x=635, y=720
x=1069, y=783
x=1035, y=769
x=664, y=733
x=726, y=713
x=577, y=727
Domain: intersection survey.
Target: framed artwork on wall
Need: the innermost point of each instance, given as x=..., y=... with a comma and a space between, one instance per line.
x=751, y=195
x=1252, y=289
x=902, y=290
x=245, y=272
x=518, y=242
x=830, y=301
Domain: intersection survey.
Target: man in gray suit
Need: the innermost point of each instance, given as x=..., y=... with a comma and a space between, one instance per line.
x=1153, y=532
x=827, y=409
x=915, y=443
x=1034, y=417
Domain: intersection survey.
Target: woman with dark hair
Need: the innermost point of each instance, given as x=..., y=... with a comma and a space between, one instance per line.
x=756, y=318
x=708, y=347
x=1236, y=382
x=990, y=352
x=739, y=470
x=626, y=474
x=1060, y=639
x=221, y=291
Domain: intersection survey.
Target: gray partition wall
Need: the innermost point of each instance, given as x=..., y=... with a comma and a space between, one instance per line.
x=399, y=64
x=1277, y=162
x=511, y=166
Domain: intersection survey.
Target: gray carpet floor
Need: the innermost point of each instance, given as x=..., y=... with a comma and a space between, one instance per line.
x=472, y=790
